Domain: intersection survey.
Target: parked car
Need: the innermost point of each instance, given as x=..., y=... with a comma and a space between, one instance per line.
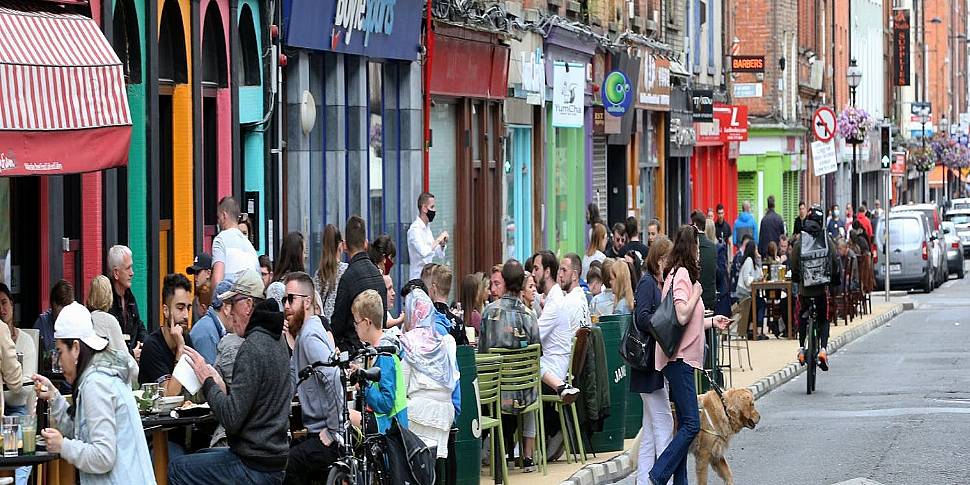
x=910, y=255
x=935, y=242
x=960, y=204
x=954, y=249
x=961, y=219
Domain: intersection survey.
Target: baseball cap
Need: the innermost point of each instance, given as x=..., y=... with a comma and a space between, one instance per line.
x=74, y=322
x=246, y=283
x=222, y=287
x=202, y=261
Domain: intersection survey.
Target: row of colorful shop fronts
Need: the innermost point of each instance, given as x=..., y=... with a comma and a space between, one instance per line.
x=515, y=135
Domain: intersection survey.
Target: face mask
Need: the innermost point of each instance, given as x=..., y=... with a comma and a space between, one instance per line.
x=431, y=216
x=835, y=213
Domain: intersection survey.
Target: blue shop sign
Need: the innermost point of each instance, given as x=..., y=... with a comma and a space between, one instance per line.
x=617, y=93
x=371, y=28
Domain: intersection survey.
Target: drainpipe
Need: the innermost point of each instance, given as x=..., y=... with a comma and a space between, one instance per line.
x=428, y=56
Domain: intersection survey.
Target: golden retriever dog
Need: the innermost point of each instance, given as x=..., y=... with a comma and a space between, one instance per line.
x=719, y=423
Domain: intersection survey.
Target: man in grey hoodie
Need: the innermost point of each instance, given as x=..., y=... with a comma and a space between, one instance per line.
x=321, y=394
x=256, y=412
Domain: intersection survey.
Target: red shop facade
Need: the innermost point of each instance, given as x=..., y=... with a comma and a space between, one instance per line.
x=714, y=171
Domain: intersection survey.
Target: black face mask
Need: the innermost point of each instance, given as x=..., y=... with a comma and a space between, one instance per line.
x=431, y=216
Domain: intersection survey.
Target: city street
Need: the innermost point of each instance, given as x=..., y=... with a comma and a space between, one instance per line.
x=893, y=408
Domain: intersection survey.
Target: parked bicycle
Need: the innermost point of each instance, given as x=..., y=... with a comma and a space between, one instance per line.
x=361, y=460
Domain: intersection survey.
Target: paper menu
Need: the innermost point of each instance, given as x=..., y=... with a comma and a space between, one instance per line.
x=186, y=375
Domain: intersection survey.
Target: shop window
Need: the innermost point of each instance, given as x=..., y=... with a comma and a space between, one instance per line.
x=375, y=148
x=214, y=67
x=442, y=176
x=247, y=64
x=125, y=40
x=171, y=45
x=210, y=160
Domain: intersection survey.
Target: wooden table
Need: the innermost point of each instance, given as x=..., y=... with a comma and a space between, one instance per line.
x=158, y=426
x=51, y=468
x=760, y=286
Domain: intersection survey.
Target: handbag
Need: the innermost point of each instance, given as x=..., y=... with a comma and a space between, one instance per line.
x=664, y=326
x=637, y=347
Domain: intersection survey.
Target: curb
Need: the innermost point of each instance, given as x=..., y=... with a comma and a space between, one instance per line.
x=622, y=465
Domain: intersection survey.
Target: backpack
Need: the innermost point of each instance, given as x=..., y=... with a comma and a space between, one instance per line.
x=409, y=460
x=815, y=264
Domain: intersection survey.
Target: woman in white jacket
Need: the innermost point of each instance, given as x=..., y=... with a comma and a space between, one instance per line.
x=101, y=432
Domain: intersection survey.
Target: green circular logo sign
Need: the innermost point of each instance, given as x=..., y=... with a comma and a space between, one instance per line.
x=616, y=93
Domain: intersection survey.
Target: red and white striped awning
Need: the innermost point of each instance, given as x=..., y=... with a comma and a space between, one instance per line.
x=63, y=104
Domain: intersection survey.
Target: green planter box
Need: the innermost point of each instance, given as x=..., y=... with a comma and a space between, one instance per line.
x=614, y=427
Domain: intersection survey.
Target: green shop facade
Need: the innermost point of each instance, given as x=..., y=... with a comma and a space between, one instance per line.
x=771, y=162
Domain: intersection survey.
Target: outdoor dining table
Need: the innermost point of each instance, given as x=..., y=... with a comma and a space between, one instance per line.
x=761, y=286
x=159, y=426
x=51, y=467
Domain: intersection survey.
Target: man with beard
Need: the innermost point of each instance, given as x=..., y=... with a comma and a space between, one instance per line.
x=164, y=347
x=559, y=319
x=312, y=455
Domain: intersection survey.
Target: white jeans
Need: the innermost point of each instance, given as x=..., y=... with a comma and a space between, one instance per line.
x=658, y=429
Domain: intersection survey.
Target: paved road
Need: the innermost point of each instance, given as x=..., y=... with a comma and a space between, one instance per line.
x=894, y=408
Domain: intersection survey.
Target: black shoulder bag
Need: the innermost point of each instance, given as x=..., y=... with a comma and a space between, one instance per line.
x=664, y=326
x=637, y=347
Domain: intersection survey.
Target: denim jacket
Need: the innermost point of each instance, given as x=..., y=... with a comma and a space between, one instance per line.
x=105, y=404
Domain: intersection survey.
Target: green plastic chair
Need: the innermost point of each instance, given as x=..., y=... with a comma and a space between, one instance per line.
x=489, y=379
x=560, y=409
x=520, y=372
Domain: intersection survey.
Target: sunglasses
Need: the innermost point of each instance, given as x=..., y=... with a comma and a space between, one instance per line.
x=292, y=296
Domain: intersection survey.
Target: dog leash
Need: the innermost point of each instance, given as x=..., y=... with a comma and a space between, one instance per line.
x=717, y=388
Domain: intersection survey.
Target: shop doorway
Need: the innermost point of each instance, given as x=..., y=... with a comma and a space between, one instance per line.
x=617, y=200
x=517, y=217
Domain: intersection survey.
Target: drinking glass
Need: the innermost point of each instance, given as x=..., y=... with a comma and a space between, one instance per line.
x=28, y=430
x=9, y=431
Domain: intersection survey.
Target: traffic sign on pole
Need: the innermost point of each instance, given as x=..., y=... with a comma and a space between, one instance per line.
x=824, y=124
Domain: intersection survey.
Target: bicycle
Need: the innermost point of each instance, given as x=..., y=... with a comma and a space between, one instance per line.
x=367, y=466
x=812, y=338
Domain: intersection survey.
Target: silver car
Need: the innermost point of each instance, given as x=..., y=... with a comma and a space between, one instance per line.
x=937, y=253
x=910, y=261
x=961, y=219
x=954, y=249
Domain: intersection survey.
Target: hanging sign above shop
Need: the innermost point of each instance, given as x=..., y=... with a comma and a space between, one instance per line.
x=703, y=104
x=733, y=121
x=534, y=77
x=616, y=93
x=901, y=51
x=747, y=63
x=386, y=29
x=654, y=89
x=569, y=82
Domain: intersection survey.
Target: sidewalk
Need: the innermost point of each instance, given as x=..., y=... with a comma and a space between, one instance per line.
x=774, y=363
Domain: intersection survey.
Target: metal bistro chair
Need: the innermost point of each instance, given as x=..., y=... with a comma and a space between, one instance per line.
x=520, y=372
x=732, y=339
x=489, y=378
x=561, y=410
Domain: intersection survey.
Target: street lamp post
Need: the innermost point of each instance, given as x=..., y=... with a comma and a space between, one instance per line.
x=854, y=77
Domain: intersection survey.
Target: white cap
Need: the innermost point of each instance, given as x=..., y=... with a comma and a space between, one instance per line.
x=74, y=322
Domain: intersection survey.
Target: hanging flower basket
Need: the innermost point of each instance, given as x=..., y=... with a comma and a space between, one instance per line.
x=923, y=158
x=950, y=153
x=854, y=124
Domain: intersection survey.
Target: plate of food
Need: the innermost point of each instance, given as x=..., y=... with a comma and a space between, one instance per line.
x=191, y=409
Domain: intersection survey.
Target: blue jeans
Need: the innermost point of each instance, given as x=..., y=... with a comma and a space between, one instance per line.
x=217, y=465
x=23, y=472
x=673, y=460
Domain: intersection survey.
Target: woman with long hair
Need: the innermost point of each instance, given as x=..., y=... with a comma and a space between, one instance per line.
x=292, y=256
x=331, y=268
x=658, y=421
x=100, y=433
x=472, y=300
x=529, y=294
x=681, y=282
x=748, y=274
x=597, y=244
x=622, y=288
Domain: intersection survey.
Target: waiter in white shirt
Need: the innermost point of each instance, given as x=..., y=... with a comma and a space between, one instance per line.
x=422, y=245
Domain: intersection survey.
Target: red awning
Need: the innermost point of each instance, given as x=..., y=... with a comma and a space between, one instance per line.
x=63, y=104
